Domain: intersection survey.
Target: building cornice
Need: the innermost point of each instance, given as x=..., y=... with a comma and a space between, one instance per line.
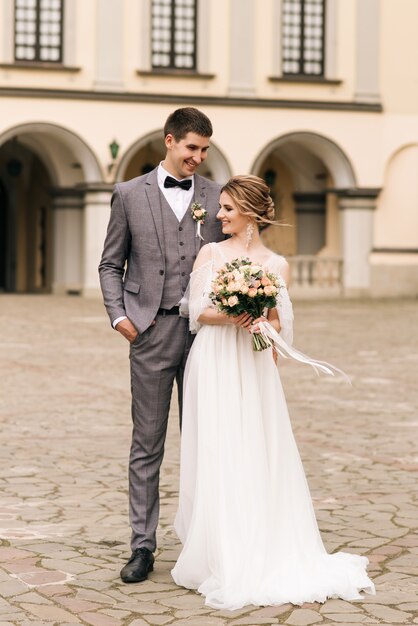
x=158, y=73
x=96, y=187
x=357, y=192
x=395, y=250
x=65, y=192
x=305, y=80
x=43, y=66
x=125, y=96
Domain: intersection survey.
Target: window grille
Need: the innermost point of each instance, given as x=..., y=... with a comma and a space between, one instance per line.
x=303, y=32
x=174, y=34
x=38, y=30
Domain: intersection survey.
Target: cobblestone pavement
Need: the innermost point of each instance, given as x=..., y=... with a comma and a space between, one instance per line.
x=64, y=440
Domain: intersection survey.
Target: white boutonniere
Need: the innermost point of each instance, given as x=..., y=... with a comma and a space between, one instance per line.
x=198, y=214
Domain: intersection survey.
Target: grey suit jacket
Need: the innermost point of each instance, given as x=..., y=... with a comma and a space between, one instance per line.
x=132, y=267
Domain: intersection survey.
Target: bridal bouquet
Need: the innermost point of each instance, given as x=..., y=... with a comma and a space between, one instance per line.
x=241, y=286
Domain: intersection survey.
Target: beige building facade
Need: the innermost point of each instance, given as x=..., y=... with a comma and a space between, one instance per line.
x=319, y=97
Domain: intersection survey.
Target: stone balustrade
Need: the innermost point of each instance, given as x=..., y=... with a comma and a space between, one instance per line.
x=313, y=276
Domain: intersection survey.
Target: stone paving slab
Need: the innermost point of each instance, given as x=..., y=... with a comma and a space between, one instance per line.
x=64, y=443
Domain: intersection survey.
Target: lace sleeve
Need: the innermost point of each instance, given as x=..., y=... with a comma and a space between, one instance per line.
x=285, y=313
x=196, y=298
x=283, y=303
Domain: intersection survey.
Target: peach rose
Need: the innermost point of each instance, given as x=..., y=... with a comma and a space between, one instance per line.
x=233, y=300
x=268, y=290
x=198, y=212
x=265, y=281
x=252, y=292
x=244, y=289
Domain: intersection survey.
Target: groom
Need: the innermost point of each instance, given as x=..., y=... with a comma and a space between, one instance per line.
x=149, y=251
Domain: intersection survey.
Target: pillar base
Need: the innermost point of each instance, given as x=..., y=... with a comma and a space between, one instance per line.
x=357, y=213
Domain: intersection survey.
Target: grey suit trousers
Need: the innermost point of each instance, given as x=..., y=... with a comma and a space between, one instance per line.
x=157, y=357
x=138, y=253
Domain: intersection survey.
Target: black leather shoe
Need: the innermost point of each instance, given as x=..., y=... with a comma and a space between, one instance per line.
x=139, y=565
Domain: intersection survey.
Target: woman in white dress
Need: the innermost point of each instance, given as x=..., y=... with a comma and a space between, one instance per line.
x=245, y=514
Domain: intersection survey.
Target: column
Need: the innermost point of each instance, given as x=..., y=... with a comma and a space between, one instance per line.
x=70, y=34
x=7, y=31
x=331, y=39
x=109, y=46
x=277, y=27
x=242, y=48
x=203, y=37
x=367, y=47
x=357, y=208
x=144, y=41
x=96, y=218
x=310, y=210
x=67, y=226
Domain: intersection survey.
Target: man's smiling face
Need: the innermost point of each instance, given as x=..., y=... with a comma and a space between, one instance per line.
x=184, y=156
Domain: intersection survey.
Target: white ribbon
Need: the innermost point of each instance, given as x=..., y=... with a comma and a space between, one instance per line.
x=198, y=233
x=287, y=352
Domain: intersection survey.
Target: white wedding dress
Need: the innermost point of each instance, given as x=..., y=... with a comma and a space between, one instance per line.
x=245, y=514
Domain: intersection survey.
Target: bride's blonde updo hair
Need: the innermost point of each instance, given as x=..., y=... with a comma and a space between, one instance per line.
x=252, y=198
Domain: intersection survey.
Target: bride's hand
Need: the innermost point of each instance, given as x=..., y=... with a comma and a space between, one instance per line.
x=243, y=321
x=254, y=327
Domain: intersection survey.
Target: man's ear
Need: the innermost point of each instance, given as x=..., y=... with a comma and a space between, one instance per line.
x=169, y=141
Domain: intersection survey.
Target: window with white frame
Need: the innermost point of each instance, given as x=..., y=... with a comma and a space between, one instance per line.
x=173, y=34
x=303, y=37
x=38, y=27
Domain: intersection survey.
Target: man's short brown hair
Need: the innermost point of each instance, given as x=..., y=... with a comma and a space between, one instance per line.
x=187, y=120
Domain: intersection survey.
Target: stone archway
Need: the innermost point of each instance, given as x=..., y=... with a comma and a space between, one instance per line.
x=45, y=169
x=27, y=220
x=312, y=145
x=4, y=240
x=305, y=172
x=146, y=153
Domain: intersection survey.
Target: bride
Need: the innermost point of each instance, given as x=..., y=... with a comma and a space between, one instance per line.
x=245, y=515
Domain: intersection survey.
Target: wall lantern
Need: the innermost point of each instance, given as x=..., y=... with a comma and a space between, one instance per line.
x=114, y=149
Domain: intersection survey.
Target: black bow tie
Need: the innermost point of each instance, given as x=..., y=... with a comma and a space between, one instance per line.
x=172, y=182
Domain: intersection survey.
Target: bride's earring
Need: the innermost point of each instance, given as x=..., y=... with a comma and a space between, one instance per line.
x=250, y=233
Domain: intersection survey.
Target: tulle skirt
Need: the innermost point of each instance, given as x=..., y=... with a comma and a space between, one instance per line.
x=245, y=514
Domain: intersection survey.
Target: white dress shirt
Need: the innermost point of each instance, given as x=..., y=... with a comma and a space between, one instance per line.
x=179, y=200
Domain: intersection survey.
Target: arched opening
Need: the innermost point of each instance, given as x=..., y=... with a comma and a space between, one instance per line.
x=26, y=263
x=4, y=225
x=39, y=163
x=304, y=170
x=146, y=153
x=394, y=259
x=396, y=222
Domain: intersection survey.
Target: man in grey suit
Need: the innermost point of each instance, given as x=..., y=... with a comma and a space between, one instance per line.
x=150, y=248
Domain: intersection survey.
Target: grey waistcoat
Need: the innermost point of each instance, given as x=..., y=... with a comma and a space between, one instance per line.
x=180, y=253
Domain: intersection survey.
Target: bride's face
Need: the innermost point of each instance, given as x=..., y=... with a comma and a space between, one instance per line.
x=233, y=222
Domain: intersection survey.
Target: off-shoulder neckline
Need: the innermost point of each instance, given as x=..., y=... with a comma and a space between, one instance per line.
x=272, y=255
